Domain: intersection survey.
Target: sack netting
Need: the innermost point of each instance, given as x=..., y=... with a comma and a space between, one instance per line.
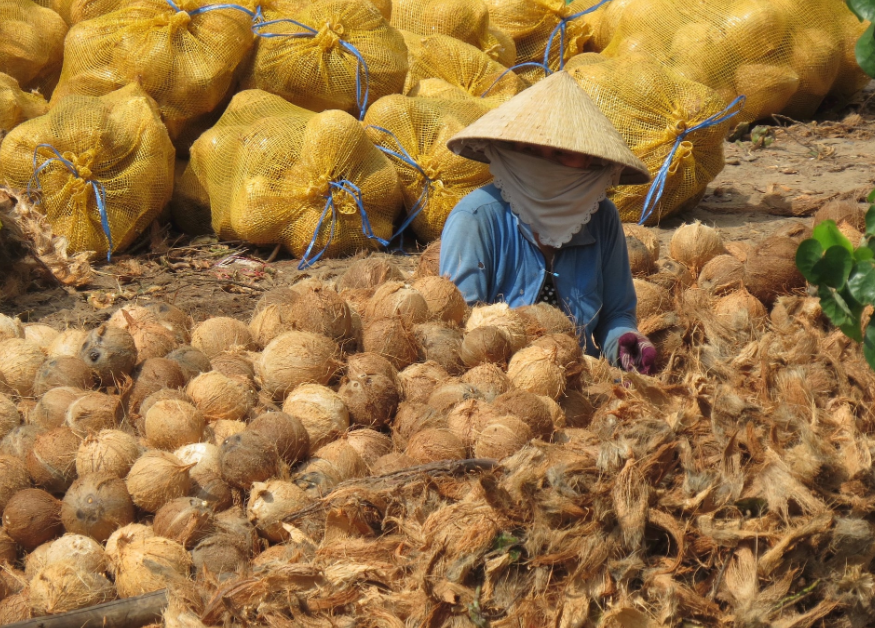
x=465, y=20
x=276, y=173
x=31, y=44
x=433, y=178
x=341, y=54
x=116, y=142
x=651, y=106
x=783, y=55
x=16, y=105
x=185, y=62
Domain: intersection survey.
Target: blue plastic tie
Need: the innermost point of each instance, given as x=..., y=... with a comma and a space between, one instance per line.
x=561, y=28
x=512, y=69
x=654, y=194
x=213, y=7
x=97, y=187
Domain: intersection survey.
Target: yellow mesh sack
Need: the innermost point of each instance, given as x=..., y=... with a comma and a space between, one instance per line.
x=16, y=105
x=31, y=43
x=115, y=143
x=319, y=68
x=189, y=206
x=783, y=55
x=850, y=78
x=652, y=106
x=61, y=7
x=462, y=65
x=414, y=132
x=276, y=173
x=465, y=20
x=185, y=62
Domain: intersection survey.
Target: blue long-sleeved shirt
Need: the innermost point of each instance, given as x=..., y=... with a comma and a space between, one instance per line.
x=492, y=256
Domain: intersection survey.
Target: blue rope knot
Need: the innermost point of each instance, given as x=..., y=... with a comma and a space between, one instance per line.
x=96, y=186
x=657, y=187
x=561, y=29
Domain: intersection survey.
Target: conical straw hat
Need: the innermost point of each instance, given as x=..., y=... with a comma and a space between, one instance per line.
x=554, y=112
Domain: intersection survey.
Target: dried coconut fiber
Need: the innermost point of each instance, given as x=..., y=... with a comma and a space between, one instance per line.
x=184, y=59
x=104, y=167
x=279, y=174
x=17, y=105
x=31, y=44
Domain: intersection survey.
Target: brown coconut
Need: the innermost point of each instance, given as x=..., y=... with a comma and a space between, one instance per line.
x=670, y=273
x=165, y=394
x=150, y=564
x=842, y=210
x=543, y=318
x=234, y=365
x=67, y=343
x=270, y=502
x=92, y=412
x=110, y=352
x=652, y=299
x=739, y=250
x=741, y=311
x=394, y=299
x=96, y=505
x=21, y=362
x=51, y=463
x=322, y=311
x=770, y=270
x=13, y=478
x=489, y=379
x=221, y=555
x=248, y=457
x=67, y=586
x=19, y=442
x=419, y=380
x=854, y=235
x=722, y=274
x=51, y=410
x=483, y=345
x=36, y=560
x=322, y=412
x=501, y=438
x=88, y=553
x=467, y=420
x=153, y=340
x=434, y=445
x=165, y=315
x=108, y=451
x=286, y=432
x=192, y=361
x=369, y=444
x=444, y=398
x=218, y=396
x=370, y=399
x=392, y=462
x=429, y=262
x=172, y=424
x=128, y=533
x=501, y=316
x=16, y=608
x=694, y=245
x=536, y=369
x=361, y=365
x=641, y=262
x=185, y=520
x=648, y=237
x=445, y=301
x=295, y=358
x=10, y=328
x=530, y=409
x=223, y=429
x=156, y=478
x=62, y=371
x=357, y=299
x=392, y=339
x=216, y=335
x=369, y=272
x=557, y=414
x=32, y=517
x=270, y=321
x=440, y=343
x=332, y=464
x=9, y=416
x=413, y=417
x=213, y=489
x=152, y=375
x=204, y=457
x=565, y=349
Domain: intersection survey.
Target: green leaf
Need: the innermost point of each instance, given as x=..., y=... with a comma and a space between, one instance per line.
x=852, y=331
x=863, y=9
x=808, y=255
x=861, y=285
x=866, y=50
x=835, y=307
x=870, y=219
x=871, y=197
x=863, y=254
x=828, y=234
x=834, y=267
x=869, y=343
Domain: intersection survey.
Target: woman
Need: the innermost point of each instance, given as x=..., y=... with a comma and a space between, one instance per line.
x=544, y=231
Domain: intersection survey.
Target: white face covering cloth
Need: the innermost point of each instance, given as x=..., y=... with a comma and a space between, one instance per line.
x=554, y=200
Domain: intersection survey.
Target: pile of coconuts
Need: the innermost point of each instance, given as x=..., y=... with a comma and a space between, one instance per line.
x=151, y=452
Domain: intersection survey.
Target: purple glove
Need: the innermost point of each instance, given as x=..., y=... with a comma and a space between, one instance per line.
x=637, y=352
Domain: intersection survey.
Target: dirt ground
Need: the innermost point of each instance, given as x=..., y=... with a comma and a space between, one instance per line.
x=762, y=190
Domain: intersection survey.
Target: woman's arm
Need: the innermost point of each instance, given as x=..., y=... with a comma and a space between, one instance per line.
x=467, y=253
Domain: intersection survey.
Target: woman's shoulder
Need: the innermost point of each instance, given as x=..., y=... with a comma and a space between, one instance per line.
x=484, y=201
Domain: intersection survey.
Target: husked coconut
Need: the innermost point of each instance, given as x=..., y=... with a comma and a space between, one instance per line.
x=62, y=371
x=360, y=365
x=204, y=457
x=9, y=416
x=483, y=345
x=369, y=272
x=842, y=210
x=694, y=245
x=165, y=315
x=528, y=408
x=156, y=478
x=295, y=358
x=108, y=451
x=10, y=328
x=739, y=250
x=36, y=560
x=671, y=274
x=489, y=379
x=770, y=269
x=322, y=311
x=321, y=410
x=434, y=445
x=152, y=340
x=88, y=553
x=467, y=420
x=152, y=375
x=413, y=417
x=96, y=505
x=129, y=533
x=171, y=424
x=185, y=520
x=557, y=414
x=13, y=478
x=394, y=299
x=67, y=343
x=419, y=380
x=216, y=335
x=234, y=365
x=440, y=343
x=8, y=549
x=652, y=299
x=92, y=412
x=223, y=429
x=192, y=361
x=286, y=432
x=110, y=352
x=221, y=554
x=248, y=457
x=429, y=261
x=32, y=517
x=213, y=489
x=219, y=397
x=67, y=586
x=444, y=300
x=270, y=321
x=722, y=274
x=640, y=260
x=165, y=394
x=51, y=410
x=369, y=444
x=392, y=462
x=741, y=311
x=391, y=338
x=501, y=316
x=268, y=504
x=370, y=400
x=19, y=442
x=150, y=564
x=172, y=318
x=444, y=398
x=15, y=608
x=543, y=318
x=565, y=349
x=501, y=438
x=52, y=461
x=535, y=369
x=21, y=362
x=645, y=235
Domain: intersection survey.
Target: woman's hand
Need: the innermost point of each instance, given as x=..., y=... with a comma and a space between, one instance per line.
x=637, y=352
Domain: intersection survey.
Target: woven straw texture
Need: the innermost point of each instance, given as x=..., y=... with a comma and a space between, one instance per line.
x=16, y=105
x=466, y=20
x=31, y=44
x=422, y=127
x=190, y=205
x=554, y=112
x=651, y=105
x=318, y=72
x=268, y=166
x=784, y=55
x=185, y=63
x=116, y=140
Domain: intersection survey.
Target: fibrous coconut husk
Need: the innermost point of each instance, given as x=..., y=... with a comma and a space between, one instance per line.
x=248, y=457
x=369, y=444
x=32, y=517
x=440, y=343
x=412, y=417
x=321, y=310
x=170, y=424
x=16, y=608
x=468, y=419
x=67, y=343
x=93, y=412
x=66, y=586
x=528, y=408
x=9, y=416
x=62, y=371
x=51, y=463
x=110, y=352
x=842, y=210
x=648, y=237
x=10, y=327
x=156, y=478
x=501, y=437
x=216, y=335
x=444, y=398
x=218, y=396
x=395, y=299
x=369, y=272
x=694, y=245
x=419, y=380
x=371, y=400
x=152, y=375
x=652, y=299
x=296, y=358
x=19, y=442
x=671, y=274
x=22, y=360
x=192, y=361
x=185, y=520
x=445, y=301
x=391, y=338
x=429, y=261
x=287, y=432
x=486, y=344
x=640, y=259
x=770, y=270
x=536, y=369
x=434, y=445
x=392, y=462
x=721, y=274
x=149, y=564
x=96, y=505
x=88, y=553
x=489, y=379
x=269, y=502
x=501, y=316
x=321, y=410
x=8, y=548
x=234, y=365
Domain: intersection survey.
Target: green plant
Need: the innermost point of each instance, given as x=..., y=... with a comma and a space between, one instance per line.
x=844, y=274
x=865, y=10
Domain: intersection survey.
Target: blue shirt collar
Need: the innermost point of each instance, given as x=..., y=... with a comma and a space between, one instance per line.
x=581, y=238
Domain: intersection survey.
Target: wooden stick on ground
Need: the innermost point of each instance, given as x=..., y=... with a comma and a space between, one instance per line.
x=131, y=612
